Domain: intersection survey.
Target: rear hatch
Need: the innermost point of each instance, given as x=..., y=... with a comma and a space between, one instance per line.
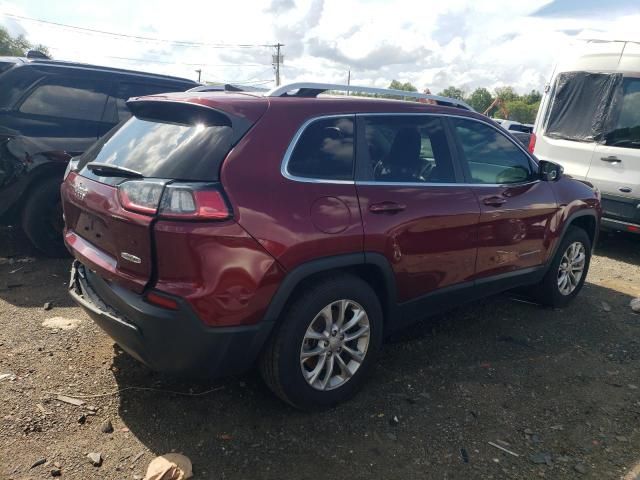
x=164, y=162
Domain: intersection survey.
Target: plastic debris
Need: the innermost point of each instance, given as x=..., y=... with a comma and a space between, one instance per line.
x=171, y=466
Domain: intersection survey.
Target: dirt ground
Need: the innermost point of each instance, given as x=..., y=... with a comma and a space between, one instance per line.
x=558, y=388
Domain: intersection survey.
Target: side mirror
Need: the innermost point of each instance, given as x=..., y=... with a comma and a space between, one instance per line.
x=549, y=171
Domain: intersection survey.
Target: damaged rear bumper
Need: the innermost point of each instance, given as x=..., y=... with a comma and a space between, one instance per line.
x=173, y=341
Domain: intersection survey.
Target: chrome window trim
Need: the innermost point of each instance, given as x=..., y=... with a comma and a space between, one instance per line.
x=433, y=184
x=294, y=141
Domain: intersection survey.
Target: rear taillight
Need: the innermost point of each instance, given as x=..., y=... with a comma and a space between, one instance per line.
x=532, y=143
x=193, y=201
x=179, y=201
x=142, y=196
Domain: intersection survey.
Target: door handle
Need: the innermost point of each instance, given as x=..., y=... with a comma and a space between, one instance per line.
x=611, y=159
x=494, y=201
x=386, y=207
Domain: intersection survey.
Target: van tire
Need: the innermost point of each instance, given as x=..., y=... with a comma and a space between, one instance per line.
x=42, y=218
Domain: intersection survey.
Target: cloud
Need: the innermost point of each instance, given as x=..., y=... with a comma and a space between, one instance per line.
x=586, y=8
x=426, y=42
x=279, y=6
x=385, y=55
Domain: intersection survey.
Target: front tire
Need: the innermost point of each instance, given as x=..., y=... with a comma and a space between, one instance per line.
x=325, y=345
x=568, y=270
x=42, y=218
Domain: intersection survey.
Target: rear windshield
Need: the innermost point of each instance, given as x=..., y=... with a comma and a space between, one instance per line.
x=192, y=149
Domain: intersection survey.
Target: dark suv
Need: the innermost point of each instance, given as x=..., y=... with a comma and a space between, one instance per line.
x=215, y=230
x=49, y=112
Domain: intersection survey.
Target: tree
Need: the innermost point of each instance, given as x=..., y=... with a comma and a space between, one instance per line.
x=480, y=99
x=533, y=97
x=17, y=46
x=506, y=94
x=407, y=86
x=453, y=92
x=521, y=112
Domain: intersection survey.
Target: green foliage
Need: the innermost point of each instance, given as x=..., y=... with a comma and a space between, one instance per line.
x=522, y=112
x=453, y=92
x=17, y=46
x=407, y=86
x=506, y=94
x=533, y=97
x=480, y=99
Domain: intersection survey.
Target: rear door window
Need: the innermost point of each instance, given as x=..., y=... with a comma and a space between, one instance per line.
x=625, y=123
x=406, y=149
x=325, y=150
x=491, y=158
x=70, y=98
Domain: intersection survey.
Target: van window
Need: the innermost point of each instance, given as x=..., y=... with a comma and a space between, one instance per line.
x=117, y=108
x=579, y=106
x=66, y=98
x=325, y=150
x=626, y=129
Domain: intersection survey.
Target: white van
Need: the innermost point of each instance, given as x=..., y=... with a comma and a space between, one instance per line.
x=589, y=122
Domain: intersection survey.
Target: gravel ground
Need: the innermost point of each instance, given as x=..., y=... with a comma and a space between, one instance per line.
x=559, y=388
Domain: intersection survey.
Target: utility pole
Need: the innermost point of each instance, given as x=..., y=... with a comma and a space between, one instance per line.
x=199, y=72
x=277, y=60
x=348, y=81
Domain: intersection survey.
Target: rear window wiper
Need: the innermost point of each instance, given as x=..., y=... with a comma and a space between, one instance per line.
x=109, y=170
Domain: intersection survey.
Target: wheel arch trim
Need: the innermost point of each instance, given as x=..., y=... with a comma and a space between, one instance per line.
x=326, y=264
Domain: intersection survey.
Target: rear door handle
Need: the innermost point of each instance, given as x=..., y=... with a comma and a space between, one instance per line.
x=611, y=159
x=494, y=201
x=386, y=207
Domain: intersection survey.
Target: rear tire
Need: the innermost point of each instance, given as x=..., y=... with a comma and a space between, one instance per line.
x=562, y=283
x=312, y=324
x=42, y=218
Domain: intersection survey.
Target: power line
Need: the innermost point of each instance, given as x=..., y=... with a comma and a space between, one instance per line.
x=165, y=62
x=142, y=38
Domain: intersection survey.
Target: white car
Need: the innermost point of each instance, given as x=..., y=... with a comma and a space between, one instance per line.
x=589, y=122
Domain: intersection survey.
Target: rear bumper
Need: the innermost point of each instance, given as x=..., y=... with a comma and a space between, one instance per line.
x=172, y=341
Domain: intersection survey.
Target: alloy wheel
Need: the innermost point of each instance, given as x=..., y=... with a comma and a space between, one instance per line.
x=571, y=268
x=335, y=345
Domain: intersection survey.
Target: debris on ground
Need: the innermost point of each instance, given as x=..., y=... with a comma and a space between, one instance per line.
x=464, y=455
x=61, y=323
x=95, y=458
x=47, y=306
x=106, y=427
x=541, y=458
x=70, y=400
x=580, y=468
x=7, y=376
x=606, y=307
x=500, y=447
x=635, y=305
x=37, y=463
x=171, y=466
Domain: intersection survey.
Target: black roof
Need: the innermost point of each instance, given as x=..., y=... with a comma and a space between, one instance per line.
x=86, y=66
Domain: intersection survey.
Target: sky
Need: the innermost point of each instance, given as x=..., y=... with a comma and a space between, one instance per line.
x=432, y=44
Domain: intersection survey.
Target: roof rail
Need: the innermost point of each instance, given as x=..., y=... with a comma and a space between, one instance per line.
x=310, y=89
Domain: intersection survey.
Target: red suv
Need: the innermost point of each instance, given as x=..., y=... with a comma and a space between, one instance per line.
x=212, y=231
